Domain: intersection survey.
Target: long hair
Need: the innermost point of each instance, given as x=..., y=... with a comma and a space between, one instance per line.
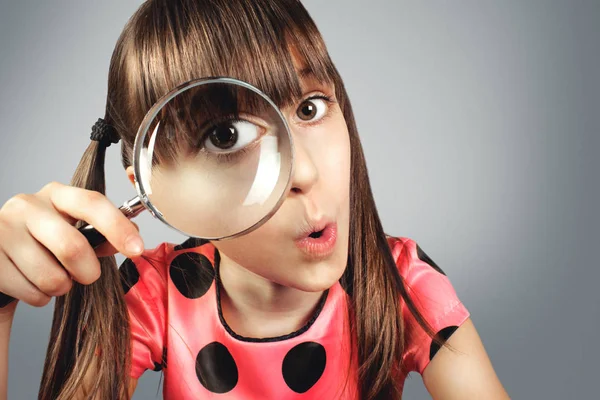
x=166, y=43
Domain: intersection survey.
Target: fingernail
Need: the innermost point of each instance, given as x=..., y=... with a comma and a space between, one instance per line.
x=134, y=244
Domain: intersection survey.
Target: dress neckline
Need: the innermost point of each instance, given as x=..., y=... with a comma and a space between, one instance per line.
x=304, y=328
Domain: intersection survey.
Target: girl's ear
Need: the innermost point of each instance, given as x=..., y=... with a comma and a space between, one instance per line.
x=130, y=174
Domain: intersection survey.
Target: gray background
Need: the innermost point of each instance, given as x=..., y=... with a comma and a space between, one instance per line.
x=480, y=125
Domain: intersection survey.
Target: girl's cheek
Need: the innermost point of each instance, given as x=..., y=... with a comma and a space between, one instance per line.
x=333, y=154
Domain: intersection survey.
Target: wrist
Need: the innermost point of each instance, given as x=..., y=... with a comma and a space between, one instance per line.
x=7, y=311
x=6, y=318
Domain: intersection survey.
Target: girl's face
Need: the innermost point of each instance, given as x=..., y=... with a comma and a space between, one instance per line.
x=319, y=191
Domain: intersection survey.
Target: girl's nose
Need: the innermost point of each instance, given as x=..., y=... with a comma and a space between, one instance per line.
x=305, y=170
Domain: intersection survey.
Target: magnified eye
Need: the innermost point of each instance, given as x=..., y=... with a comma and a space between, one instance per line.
x=312, y=109
x=230, y=136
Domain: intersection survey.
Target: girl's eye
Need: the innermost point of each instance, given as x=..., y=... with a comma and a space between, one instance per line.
x=313, y=109
x=230, y=136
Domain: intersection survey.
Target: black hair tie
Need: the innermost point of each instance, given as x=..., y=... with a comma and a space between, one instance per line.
x=104, y=133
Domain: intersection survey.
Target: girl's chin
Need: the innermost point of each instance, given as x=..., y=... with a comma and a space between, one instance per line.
x=315, y=282
x=310, y=287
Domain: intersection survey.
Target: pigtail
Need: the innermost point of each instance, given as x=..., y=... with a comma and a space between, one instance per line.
x=373, y=283
x=166, y=43
x=90, y=327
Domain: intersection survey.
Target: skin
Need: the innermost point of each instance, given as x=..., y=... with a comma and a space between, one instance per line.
x=270, y=287
x=285, y=286
x=467, y=374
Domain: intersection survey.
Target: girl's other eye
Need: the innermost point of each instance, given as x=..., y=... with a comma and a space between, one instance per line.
x=230, y=136
x=313, y=108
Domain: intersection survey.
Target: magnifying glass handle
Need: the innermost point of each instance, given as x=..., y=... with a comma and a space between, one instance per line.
x=130, y=209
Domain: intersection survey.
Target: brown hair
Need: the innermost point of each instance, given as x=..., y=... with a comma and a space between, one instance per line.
x=168, y=42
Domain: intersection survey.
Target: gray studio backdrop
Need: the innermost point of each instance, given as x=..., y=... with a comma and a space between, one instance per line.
x=480, y=122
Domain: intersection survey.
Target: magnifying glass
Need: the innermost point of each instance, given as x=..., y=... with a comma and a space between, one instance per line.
x=213, y=159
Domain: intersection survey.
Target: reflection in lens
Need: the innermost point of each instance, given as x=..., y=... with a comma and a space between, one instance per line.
x=216, y=159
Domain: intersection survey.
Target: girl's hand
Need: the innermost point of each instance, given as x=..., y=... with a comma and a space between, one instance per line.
x=41, y=250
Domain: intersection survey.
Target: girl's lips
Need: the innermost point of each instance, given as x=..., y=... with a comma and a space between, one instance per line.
x=322, y=246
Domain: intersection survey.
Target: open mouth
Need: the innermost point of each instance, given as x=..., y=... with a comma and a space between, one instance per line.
x=316, y=235
x=319, y=244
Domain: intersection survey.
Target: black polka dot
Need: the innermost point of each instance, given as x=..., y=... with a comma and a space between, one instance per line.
x=303, y=365
x=5, y=300
x=129, y=275
x=190, y=244
x=443, y=335
x=163, y=363
x=216, y=369
x=192, y=273
x=424, y=257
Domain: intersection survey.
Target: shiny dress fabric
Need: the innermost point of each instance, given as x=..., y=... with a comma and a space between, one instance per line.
x=177, y=328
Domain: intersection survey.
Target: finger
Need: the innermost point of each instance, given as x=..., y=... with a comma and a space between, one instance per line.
x=70, y=248
x=107, y=249
x=44, y=196
x=97, y=210
x=37, y=264
x=14, y=284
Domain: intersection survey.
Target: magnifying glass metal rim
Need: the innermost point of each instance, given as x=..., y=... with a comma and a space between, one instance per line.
x=138, y=147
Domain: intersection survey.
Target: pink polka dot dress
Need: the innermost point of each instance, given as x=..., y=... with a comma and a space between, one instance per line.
x=172, y=294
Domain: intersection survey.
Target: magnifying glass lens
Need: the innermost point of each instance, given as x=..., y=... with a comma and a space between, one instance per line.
x=214, y=160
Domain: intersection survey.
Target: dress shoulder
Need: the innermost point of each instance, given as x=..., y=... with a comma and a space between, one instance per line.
x=433, y=294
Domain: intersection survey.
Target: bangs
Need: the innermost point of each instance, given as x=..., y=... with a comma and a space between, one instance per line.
x=186, y=120
x=261, y=42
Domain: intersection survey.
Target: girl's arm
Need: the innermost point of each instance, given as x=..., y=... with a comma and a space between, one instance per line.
x=466, y=374
x=6, y=318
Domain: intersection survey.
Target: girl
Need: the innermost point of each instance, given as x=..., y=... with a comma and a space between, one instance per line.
x=274, y=314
